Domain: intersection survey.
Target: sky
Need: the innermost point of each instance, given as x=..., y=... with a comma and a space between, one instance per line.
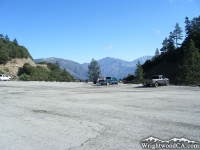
x=80, y=30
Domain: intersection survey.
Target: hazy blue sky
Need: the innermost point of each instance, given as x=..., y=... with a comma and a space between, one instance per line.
x=80, y=30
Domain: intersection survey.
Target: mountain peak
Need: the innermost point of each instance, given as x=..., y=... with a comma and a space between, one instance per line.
x=142, y=59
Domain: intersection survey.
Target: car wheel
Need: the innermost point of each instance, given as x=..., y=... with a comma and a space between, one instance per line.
x=156, y=84
x=167, y=83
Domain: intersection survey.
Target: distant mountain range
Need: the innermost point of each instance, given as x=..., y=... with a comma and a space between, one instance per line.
x=77, y=70
x=109, y=66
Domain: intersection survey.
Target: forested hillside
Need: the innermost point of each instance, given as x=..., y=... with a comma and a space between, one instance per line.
x=179, y=57
x=11, y=49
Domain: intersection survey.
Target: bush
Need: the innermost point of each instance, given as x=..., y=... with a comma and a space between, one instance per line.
x=1, y=72
x=40, y=73
x=24, y=77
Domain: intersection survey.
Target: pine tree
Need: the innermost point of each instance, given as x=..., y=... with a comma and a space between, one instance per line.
x=1, y=36
x=139, y=73
x=190, y=67
x=157, y=53
x=165, y=45
x=93, y=69
x=7, y=38
x=187, y=27
x=177, y=34
x=195, y=31
x=171, y=55
x=15, y=42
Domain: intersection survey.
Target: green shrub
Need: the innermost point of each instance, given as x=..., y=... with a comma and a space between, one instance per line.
x=42, y=74
x=24, y=77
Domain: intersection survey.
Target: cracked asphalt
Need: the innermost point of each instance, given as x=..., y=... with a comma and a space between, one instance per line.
x=83, y=116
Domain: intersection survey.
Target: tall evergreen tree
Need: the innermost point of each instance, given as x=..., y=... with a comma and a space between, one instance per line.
x=170, y=39
x=177, y=35
x=190, y=67
x=156, y=55
x=164, y=45
x=1, y=36
x=157, y=52
x=7, y=38
x=187, y=27
x=15, y=42
x=196, y=31
x=171, y=55
x=196, y=25
x=192, y=30
x=139, y=73
x=169, y=48
x=93, y=69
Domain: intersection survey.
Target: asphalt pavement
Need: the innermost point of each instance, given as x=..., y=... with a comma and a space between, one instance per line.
x=84, y=116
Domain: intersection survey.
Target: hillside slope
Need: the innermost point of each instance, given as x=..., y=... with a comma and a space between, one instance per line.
x=12, y=67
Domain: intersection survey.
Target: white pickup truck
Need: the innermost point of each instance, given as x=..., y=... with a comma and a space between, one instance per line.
x=157, y=80
x=4, y=77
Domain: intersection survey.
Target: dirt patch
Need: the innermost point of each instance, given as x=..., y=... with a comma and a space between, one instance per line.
x=12, y=67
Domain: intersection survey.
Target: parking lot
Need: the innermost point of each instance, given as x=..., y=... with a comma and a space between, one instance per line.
x=76, y=116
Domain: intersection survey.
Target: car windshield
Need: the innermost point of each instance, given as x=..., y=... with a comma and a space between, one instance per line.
x=155, y=77
x=108, y=77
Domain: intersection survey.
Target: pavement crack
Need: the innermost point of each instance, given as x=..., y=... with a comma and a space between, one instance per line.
x=82, y=144
x=90, y=139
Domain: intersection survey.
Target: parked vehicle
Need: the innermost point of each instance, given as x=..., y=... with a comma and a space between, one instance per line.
x=9, y=77
x=108, y=81
x=102, y=82
x=157, y=80
x=96, y=79
x=3, y=77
